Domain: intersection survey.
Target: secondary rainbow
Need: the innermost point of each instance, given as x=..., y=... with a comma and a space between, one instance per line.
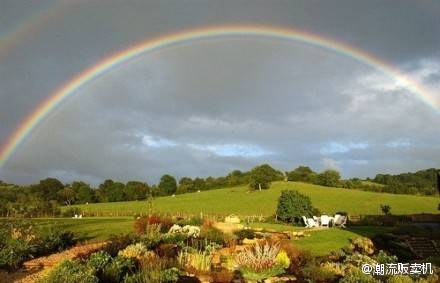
x=73, y=85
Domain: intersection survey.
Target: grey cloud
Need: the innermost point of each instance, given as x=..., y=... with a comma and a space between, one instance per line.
x=284, y=98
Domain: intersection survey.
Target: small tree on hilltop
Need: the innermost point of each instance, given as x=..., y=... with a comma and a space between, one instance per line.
x=261, y=176
x=329, y=178
x=292, y=206
x=167, y=185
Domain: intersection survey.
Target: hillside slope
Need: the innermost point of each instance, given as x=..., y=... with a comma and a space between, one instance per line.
x=239, y=201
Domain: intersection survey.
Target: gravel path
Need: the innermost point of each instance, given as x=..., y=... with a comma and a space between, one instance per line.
x=36, y=268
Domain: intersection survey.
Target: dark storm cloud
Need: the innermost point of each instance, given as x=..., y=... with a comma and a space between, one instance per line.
x=213, y=106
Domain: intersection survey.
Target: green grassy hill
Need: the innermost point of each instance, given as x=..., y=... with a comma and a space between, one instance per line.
x=241, y=202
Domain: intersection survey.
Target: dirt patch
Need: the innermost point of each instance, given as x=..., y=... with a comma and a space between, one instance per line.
x=228, y=228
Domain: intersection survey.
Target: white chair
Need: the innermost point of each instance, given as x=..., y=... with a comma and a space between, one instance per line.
x=341, y=220
x=312, y=222
x=306, y=223
x=325, y=220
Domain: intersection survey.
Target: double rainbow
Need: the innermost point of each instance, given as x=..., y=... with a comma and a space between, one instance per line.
x=73, y=85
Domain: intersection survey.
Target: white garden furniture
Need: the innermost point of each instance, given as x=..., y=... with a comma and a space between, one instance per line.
x=325, y=220
x=340, y=220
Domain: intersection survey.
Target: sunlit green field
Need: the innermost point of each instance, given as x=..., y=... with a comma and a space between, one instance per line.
x=241, y=202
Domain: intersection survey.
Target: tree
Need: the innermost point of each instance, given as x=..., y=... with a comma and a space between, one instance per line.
x=48, y=188
x=185, y=185
x=67, y=196
x=135, y=190
x=111, y=191
x=84, y=193
x=386, y=209
x=329, y=178
x=301, y=174
x=261, y=177
x=167, y=185
x=292, y=206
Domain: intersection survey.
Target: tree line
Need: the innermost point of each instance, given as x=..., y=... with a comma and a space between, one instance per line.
x=422, y=182
x=45, y=197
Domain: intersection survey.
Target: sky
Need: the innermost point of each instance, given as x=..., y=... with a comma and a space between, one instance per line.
x=207, y=107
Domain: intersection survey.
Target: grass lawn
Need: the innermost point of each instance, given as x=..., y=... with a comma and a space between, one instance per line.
x=322, y=242
x=241, y=202
x=98, y=228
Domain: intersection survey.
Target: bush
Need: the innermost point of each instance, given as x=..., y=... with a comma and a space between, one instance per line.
x=292, y=206
x=213, y=235
x=21, y=241
x=319, y=274
x=136, y=251
x=244, y=233
x=117, y=243
x=70, y=271
x=141, y=225
x=97, y=261
x=195, y=260
x=262, y=261
x=55, y=239
x=117, y=269
x=192, y=221
x=298, y=258
x=15, y=252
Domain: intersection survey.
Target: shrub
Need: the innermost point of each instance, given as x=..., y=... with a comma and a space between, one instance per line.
x=258, y=257
x=55, y=239
x=318, y=274
x=282, y=259
x=136, y=251
x=193, y=221
x=195, y=260
x=361, y=245
x=97, y=261
x=292, y=206
x=298, y=258
x=386, y=209
x=70, y=271
x=117, y=269
x=140, y=225
x=155, y=270
x=244, y=233
x=21, y=241
x=212, y=234
x=154, y=276
x=355, y=275
x=117, y=243
x=383, y=258
x=152, y=237
x=15, y=252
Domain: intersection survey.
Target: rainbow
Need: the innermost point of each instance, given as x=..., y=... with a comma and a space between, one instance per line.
x=34, y=23
x=72, y=86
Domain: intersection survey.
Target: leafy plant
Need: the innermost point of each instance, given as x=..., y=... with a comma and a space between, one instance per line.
x=70, y=271
x=244, y=234
x=292, y=206
x=99, y=260
x=136, y=251
x=117, y=269
x=258, y=257
x=195, y=259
